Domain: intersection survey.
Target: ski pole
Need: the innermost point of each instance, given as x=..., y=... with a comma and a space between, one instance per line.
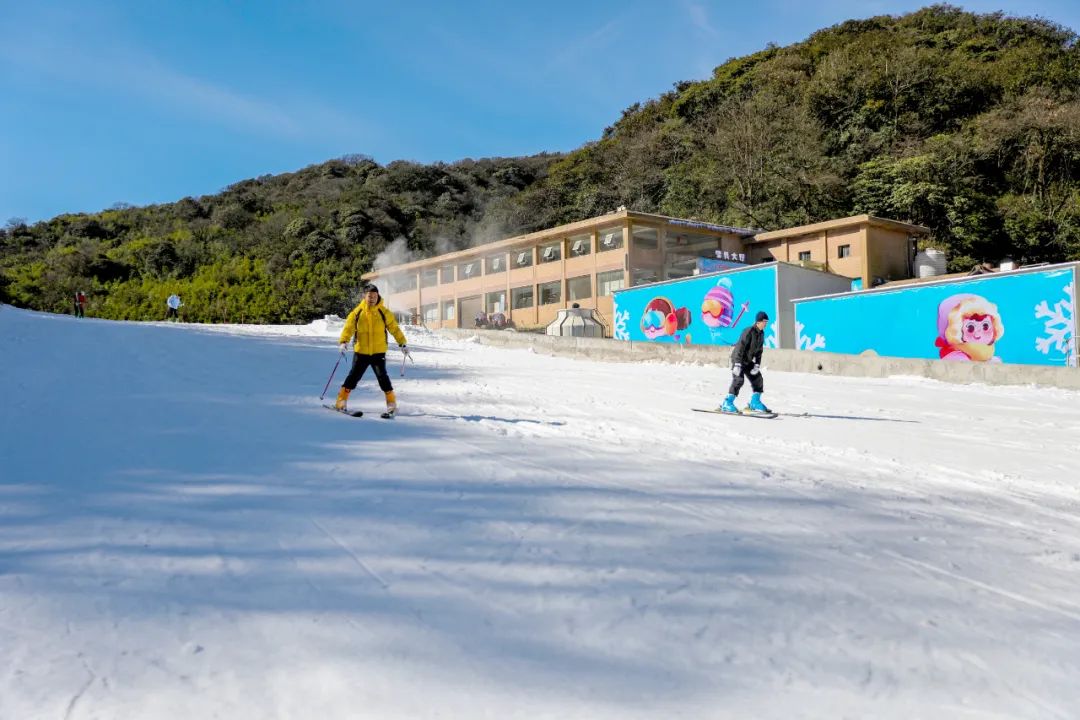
x=332, y=374
x=405, y=355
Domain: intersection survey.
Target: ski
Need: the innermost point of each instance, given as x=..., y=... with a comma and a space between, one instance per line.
x=766, y=416
x=350, y=413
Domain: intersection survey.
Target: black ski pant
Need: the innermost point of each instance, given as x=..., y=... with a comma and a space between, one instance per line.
x=360, y=365
x=756, y=381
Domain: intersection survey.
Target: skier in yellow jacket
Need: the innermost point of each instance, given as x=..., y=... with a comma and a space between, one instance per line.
x=369, y=322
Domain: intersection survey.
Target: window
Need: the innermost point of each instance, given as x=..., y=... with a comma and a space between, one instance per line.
x=579, y=288
x=640, y=276
x=430, y=313
x=551, y=292
x=608, y=282
x=429, y=278
x=610, y=239
x=580, y=245
x=446, y=274
x=521, y=297
x=804, y=256
x=524, y=258
x=495, y=263
x=551, y=253
x=843, y=251
x=646, y=238
x=448, y=309
x=496, y=301
x=468, y=270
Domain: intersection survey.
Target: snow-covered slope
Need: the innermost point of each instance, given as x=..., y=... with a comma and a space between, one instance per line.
x=186, y=533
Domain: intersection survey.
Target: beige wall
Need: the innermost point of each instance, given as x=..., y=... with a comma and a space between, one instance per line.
x=888, y=255
x=851, y=266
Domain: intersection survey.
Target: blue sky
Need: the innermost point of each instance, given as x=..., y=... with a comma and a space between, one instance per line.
x=146, y=102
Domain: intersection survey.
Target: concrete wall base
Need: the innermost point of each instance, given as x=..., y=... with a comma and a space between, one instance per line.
x=783, y=360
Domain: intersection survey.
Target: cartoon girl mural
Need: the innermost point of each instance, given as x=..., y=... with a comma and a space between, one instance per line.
x=968, y=328
x=661, y=318
x=718, y=306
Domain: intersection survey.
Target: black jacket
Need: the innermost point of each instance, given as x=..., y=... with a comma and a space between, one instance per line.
x=748, y=350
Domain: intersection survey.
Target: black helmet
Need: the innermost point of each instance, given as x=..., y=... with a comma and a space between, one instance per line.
x=370, y=288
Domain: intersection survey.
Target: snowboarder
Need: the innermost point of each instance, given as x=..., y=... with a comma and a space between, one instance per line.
x=746, y=363
x=80, y=304
x=174, y=305
x=369, y=322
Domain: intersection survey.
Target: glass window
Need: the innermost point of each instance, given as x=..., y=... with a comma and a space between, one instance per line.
x=804, y=256
x=580, y=245
x=495, y=264
x=608, y=282
x=610, y=239
x=641, y=276
x=496, y=301
x=429, y=278
x=691, y=242
x=551, y=292
x=468, y=270
x=646, y=238
x=448, y=309
x=521, y=297
x=523, y=258
x=430, y=313
x=579, y=288
x=843, y=251
x=551, y=253
x=446, y=274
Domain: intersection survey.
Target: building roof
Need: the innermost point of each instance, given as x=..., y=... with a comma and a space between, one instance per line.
x=529, y=239
x=872, y=220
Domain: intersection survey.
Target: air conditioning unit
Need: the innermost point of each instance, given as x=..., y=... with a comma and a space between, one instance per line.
x=578, y=245
x=468, y=270
x=496, y=263
x=609, y=240
x=523, y=258
x=549, y=253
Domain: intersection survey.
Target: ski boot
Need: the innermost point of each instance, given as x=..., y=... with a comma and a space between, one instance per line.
x=756, y=405
x=342, y=399
x=391, y=405
x=729, y=405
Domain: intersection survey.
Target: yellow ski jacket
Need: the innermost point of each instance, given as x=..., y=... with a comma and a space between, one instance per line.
x=370, y=325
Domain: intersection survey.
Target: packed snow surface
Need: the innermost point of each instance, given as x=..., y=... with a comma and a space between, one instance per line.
x=186, y=533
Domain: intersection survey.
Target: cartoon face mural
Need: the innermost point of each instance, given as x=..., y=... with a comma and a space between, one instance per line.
x=718, y=305
x=662, y=318
x=968, y=327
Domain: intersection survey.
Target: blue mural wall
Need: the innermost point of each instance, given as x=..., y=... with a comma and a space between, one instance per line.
x=701, y=310
x=1014, y=318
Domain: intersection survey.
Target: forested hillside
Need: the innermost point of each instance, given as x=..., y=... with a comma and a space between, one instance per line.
x=969, y=124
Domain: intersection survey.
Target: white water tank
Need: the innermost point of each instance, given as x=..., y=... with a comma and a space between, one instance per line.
x=929, y=263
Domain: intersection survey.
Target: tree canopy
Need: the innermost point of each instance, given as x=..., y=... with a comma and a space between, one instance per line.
x=966, y=123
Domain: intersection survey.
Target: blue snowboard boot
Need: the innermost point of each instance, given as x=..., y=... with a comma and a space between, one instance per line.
x=729, y=405
x=756, y=405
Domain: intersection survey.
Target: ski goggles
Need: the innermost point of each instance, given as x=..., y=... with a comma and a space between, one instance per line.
x=714, y=307
x=653, y=320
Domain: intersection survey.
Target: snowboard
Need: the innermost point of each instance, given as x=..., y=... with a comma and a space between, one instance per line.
x=745, y=413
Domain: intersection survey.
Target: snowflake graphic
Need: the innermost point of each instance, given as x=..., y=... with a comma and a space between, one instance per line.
x=802, y=342
x=1058, y=326
x=621, y=319
x=772, y=340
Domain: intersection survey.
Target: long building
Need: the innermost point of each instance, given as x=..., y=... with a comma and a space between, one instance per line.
x=529, y=278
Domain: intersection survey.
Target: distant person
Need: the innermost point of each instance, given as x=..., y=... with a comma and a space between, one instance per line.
x=368, y=323
x=481, y=319
x=746, y=363
x=80, y=304
x=174, y=306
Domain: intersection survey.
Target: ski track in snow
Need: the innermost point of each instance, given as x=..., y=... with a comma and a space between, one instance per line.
x=184, y=532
